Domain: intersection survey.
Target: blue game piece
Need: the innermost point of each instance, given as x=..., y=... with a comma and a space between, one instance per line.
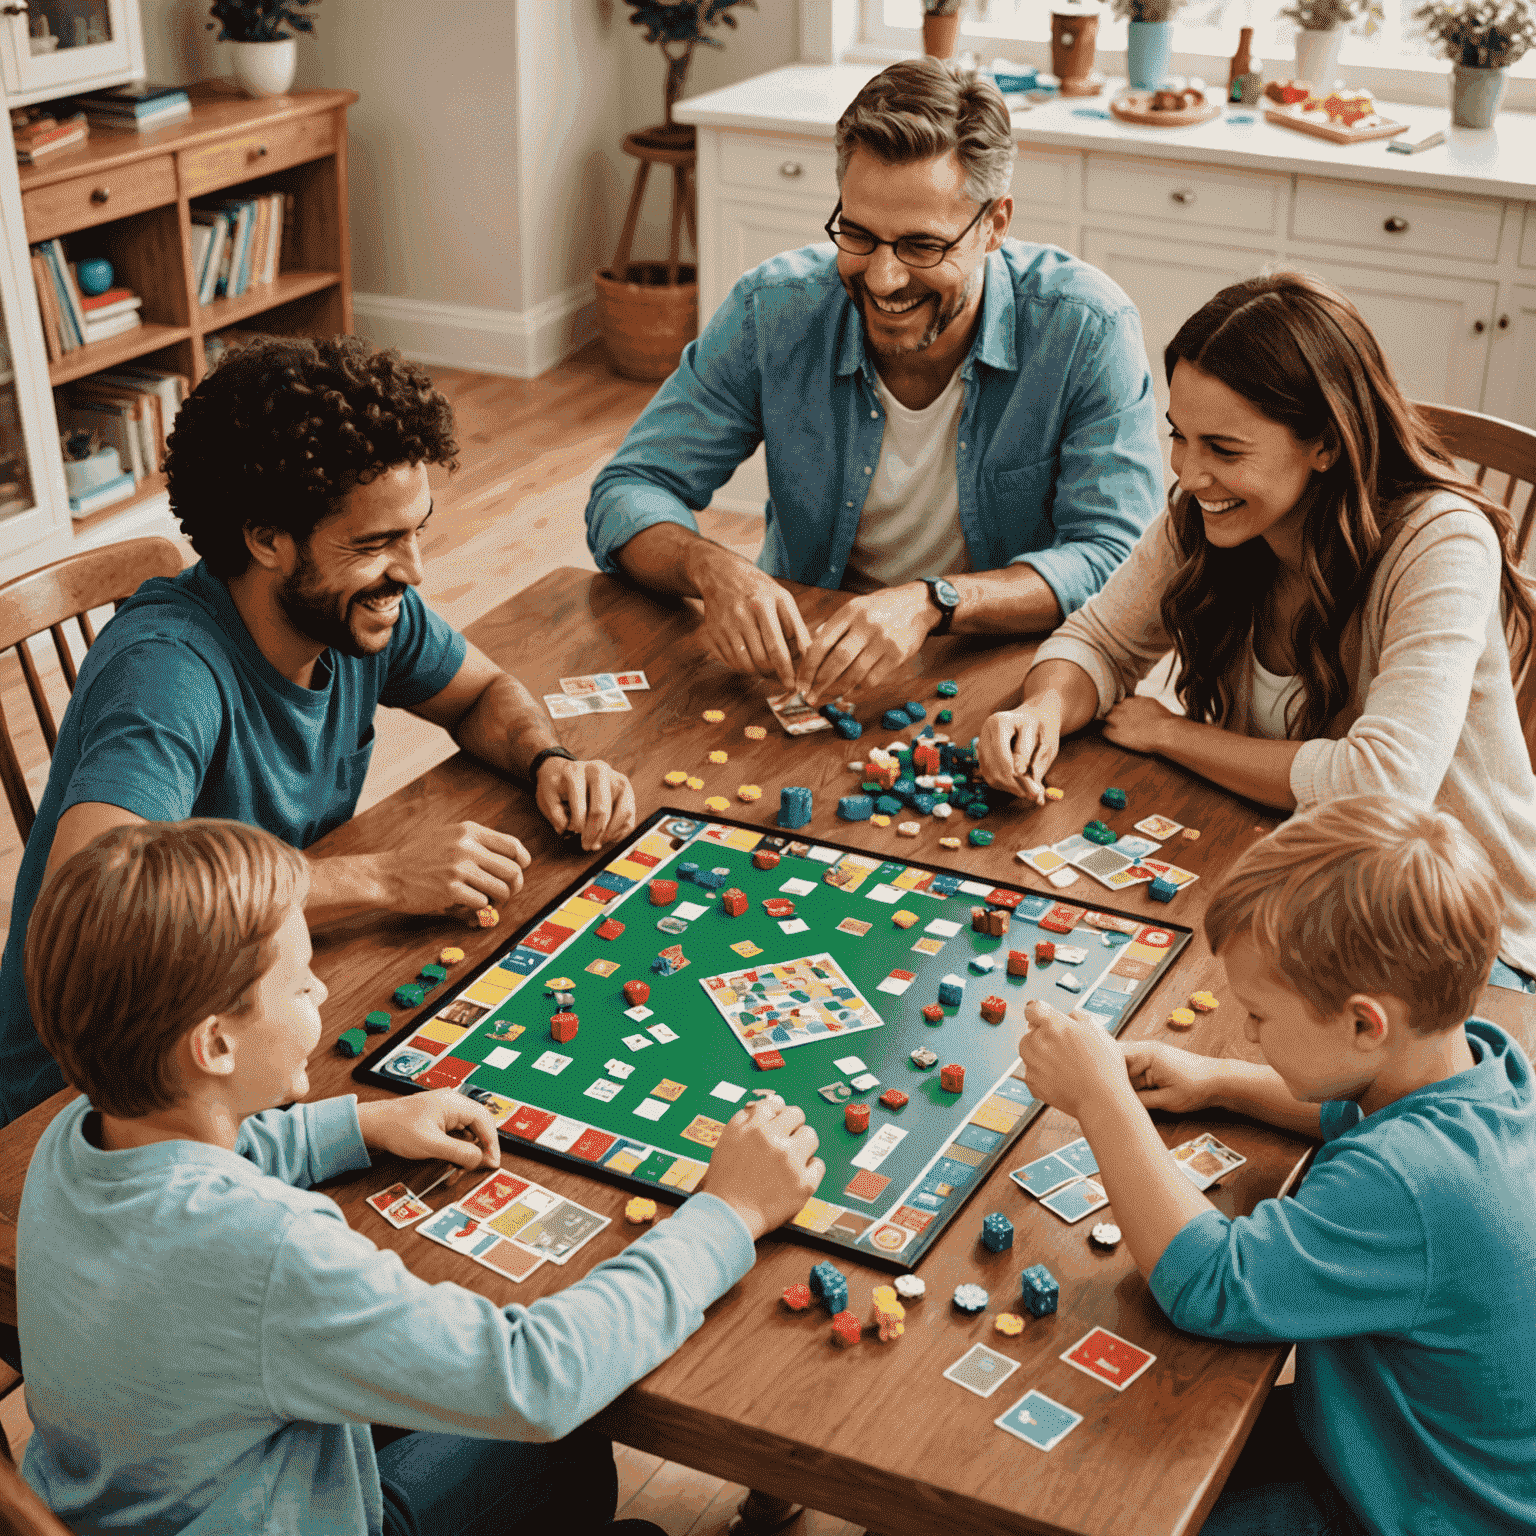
x=945, y=885
x=997, y=1232
x=687, y=870
x=888, y=805
x=662, y=965
x=895, y=720
x=926, y=733
x=951, y=993
x=830, y=713
x=979, y=837
x=1162, y=890
x=712, y=879
x=923, y=804
x=1040, y=1290
x=855, y=808
x=794, y=806
x=848, y=728
x=830, y=1285
x=915, y=712
x=1114, y=799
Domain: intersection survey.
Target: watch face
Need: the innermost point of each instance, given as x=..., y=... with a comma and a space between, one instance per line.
x=946, y=594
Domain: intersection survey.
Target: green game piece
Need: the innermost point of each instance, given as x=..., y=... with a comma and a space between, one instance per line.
x=1097, y=832
x=872, y=787
x=1114, y=799
x=435, y=974
x=377, y=1022
x=353, y=1042
x=980, y=837
x=944, y=716
x=947, y=689
x=410, y=994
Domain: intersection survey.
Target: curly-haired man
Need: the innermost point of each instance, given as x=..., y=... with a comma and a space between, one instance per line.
x=246, y=686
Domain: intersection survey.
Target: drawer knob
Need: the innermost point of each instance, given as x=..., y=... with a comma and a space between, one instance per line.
x=100, y=194
x=1503, y=322
x=1478, y=327
x=258, y=152
x=790, y=169
x=1183, y=196
x=1395, y=225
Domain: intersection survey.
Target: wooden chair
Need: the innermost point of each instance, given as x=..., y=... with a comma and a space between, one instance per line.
x=1504, y=448
x=46, y=599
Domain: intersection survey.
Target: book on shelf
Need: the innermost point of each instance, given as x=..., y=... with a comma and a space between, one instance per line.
x=246, y=243
x=99, y=306
x=142, y=122
x=113, y=325
x=99, y=496
x=47, y=305
x=131, y=407
x=140, y=106
x=46, y=136
x=70, y=318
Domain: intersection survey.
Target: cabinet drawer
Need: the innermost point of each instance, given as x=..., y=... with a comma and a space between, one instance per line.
x=1235, y=201
x=797, y=166
x=96, y=198
x=1045, y=180
x=1395, y=219
x=255, y=154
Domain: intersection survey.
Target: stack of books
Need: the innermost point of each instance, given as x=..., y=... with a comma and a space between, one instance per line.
x=39, y=137
x=111, y=313
x=70, y=319
x=132, y=409
x=238, y=242
x=139, y=106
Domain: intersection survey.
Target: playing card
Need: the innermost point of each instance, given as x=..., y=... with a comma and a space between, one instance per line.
x=639, y=1013
x=1076, y=1200
x=795, y=925
x=595, y=682
x=553, y=1063
x=1071, y=848
x=849, y=1064
x=688, y=910
x=850, y=925
x=1108, y=1357
x=727, y=1091
x=981, y=1370
x=1134, y=874
x=661, y=1034
x=630, y=681
x=618, y=1069
x=1206, y=1160
x=1040, y=1420
x=637, y=1042
x=406, y=1210
x=1080, y=1155
x=1171, y=872
x=652, y=1109
x=1043, y=1175
x=605, y=1090
x=385, y=1198
x=560, y=1231
x=1159, y=827
x=1136, y=847
x=942, y=928
x=794, y=887
x=796, y=716
x=1103, y=864
x=928, y=946
x=1044, y=858
x=564, y=706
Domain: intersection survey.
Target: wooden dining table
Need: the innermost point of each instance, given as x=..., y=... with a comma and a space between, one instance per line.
x=760, y=1396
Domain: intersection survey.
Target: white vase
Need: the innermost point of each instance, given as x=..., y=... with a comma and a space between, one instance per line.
x=1317, y=57
x=265, y=69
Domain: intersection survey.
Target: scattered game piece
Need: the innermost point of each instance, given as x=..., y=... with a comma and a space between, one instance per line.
x=855, y=808
x=714, y=716
x=1162, y=890
x=733, y=901
x=856, y=1118
x=996, y=1232
x=1160, y=828
x=970, y=1298
x=924, y=1058
x=994, y=1010
x=908, y=828
x=1097, y=832
x=1045, y=951
x=433, y=975
x=640, y=1210
x=377, y=1022
x=1114, y=799
x=352, y=1042
x=1104, y=1234
x=662, y=892
x=893, y=1098
x=829, y=1285
x=749, y=792
x=718, y=804
x=765, y=858
x=947, y=689
x=409, y=994
x=636, y=992
x=951, y=991
x=902, y=918
x=980, y=1370
x=1068, y=982
x=1192, y=833
x=911, y=1287
x=944, y=716
x=676, y=777
x=850, y=1064
x=1203, y=1002
x=865, y=1081
x=562, y=1027
x=768, y=1061
x=1009, y=1323
x=895, y=720
x=949, y=842
x=980, y=837
x=846, y=1329
x=797, y=1297
x=1182, y=1018
x=755, y=732
x=1018, y=963
x=889, y=1313
x=1109, y=1358
x=694, y=782
x=1039, y=1420
x=952, y=1078
x=610, y=928
x=982, y=964
x=719, y=757
x=450, y=956
x=933, y=1013
x=794, y=806
x=1052, y=793
x=1040, y=1290
x=848, y=728
x=836, y=1093
x=943, y=810
x=779, y=906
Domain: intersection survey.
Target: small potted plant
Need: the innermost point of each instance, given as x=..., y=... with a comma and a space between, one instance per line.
x=1321, y=25
x=1481, y=38
x=941, y=26
x=1149, y=46
x=265, y=57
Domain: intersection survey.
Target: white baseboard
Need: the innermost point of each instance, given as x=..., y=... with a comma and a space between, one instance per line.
x=519, y=343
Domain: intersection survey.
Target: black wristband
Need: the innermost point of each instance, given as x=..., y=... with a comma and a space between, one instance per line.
x=539, y=759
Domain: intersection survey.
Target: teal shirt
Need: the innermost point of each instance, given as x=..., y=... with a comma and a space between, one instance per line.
x=206, y=1341
x=1405, y=1271
x=177, y=714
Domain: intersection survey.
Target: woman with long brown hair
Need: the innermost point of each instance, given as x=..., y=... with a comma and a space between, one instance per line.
x=1342, y=602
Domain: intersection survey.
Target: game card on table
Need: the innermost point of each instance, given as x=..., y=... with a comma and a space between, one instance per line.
x=1040, y=1420
x=1108, y=1358
x=981, y=1370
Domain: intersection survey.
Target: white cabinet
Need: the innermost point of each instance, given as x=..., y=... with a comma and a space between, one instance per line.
x=1512, y=374
x=52, y=48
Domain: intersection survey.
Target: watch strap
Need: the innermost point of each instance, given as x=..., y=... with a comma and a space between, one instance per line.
x=539, y=759
x=946, y=612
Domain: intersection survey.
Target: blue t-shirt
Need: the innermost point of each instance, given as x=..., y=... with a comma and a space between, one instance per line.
x=176, y=714
x=1405, y=1269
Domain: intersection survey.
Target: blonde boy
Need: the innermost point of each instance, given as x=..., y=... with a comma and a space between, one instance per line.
x=206, y=1343
x=1357, y=938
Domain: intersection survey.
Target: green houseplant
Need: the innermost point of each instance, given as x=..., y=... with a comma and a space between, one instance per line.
x=265, y=57
x=1321, y=25
x=1481, y=38
x=1149, y=44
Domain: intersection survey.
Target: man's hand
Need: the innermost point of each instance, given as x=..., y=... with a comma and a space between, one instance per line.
x=1139, y=724
x=1071, y=1063
x=765, y=1166
x=441, y=867
x=424, y=1124
x=588, y=798
x=751, y=624
x=864, y=643
x=1165, y=1077
x=1018, y=746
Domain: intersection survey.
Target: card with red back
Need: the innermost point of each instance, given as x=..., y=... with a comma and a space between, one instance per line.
x=1107, y=1357
x=385, y=1198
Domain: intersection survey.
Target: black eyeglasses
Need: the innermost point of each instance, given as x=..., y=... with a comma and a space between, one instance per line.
x=911, y=250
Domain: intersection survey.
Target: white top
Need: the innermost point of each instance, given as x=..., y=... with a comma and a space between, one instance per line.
x=1271, y=698
x=910, y=525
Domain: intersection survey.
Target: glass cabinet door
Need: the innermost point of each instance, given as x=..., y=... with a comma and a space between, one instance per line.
x=15, y=474
x=53, y=47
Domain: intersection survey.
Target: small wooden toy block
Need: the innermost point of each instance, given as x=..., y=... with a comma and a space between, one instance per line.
x=798, y=1298
x=352, y=1042
x=933, y=1013
x=410, y=994
x=1052, y=793
x=994, y=1009
x=924, y=1058
x=855, y=808
x=979, y=837
x=1045, y=951
x=733, y=902
x=766, y=858
x=433, y=975
x=609, y=928
x=893, y=1098
x=1204, y=1002
x=996, y=1232
x=978, y=919
x=640, y=1210
x=951, y=992
x=829, y=1285
x=1104, y=1234
x=902, y=918
x=1018, y=963
x=794, y=806
x=1010, y=1324
x=563, y=1027
x=636, y=993
x=750, y=793
x=377, y=1022
x=846, y=1329
x=1162, y=890
x=952, y=1078
x=779, y=906
x=889, y=1313
x=662, y=892
x=856, y=1118
x=450, y=956
x=911, y=1287
x=1182, y=1018
x=1040, y=1290
x=970, y=1298
x=487, y=917
x=997, y=921
x=1097, y=832
x=768, y=1061
x=1114, y=799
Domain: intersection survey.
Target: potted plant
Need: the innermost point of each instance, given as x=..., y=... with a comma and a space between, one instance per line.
x=941, y=26
x=1321, y=26
x=1481, y=38
x=1150, y=43
x=265, y=58
x=648, y=311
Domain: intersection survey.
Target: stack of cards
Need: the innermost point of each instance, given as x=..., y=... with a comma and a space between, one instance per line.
x=1060, y=1181
x=1205, y=1160
x=799, y=718
x=1116, y=865
x=398, y=1206
x=595, y=693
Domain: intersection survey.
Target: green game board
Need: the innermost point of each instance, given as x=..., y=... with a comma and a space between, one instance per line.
x=890, y=1190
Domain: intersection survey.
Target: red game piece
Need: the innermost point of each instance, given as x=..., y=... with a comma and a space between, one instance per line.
x=636, y=992
x=893, y=1098
x=979, y=919
x=734, y=901
x=933, y=1013
x=997, y=922
x=1018, y=963
x=610, y=928
x=768, y=1061
x=856, y=1118
x=766, y=858
x=1044, y=950
x=779, y=906
x=847, y=1329
x=563, y=1027
x=798, y=1297
x=952, y=1078
x=925, y=757
x=663, y=892
x=993, y=1009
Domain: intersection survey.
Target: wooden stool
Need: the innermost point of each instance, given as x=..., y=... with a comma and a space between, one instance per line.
x=672, y=145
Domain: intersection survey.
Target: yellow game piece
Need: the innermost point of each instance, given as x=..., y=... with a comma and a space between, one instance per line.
x=675, y=777
x=949, y=842
x=1204, y=1002
x=1192, y=833
x=640, y=1210
x=719, y=757
x=755, y=732
x=749, y=792
x=450, y=956
x=694, y=783
x=889, y=1313
x=487, y=917
x=1010, y=1323
x=1055, y=794
x=902, y=918
x=714, y=716
x=909, y=828
x=717, y=803
x=879, y=821
x=1182, y=1018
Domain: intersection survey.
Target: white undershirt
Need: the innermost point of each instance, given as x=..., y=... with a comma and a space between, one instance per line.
x=1271, y=695
x=910, y=525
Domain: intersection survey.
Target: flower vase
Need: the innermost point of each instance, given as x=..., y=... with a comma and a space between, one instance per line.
x=1148, y=49
x=1317, y=58
x=1476, y=94
x=265, y=69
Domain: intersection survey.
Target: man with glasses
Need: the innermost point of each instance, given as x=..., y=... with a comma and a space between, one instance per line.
x=959, y=428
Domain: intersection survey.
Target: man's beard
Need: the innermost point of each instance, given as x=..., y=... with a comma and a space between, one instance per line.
x=312, y=611
x=943, y=318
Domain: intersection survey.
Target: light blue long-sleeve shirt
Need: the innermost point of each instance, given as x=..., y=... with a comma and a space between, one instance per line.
x=1405, y=1267
x=206, y=1341
x=1057, y=459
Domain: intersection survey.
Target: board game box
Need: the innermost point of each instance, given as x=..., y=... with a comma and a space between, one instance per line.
x=808, y=978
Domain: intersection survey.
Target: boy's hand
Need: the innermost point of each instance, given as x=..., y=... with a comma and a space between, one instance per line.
x=425, y=1124
x=1071, y=1063
x=764, y=1167
x=1165, y=1077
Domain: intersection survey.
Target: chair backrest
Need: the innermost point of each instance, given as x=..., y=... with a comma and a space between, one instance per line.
x=1504, y=448
x=46, y=599
x=22, y=1512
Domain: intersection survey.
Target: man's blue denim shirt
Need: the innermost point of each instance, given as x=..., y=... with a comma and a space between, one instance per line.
x=1057, y=463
